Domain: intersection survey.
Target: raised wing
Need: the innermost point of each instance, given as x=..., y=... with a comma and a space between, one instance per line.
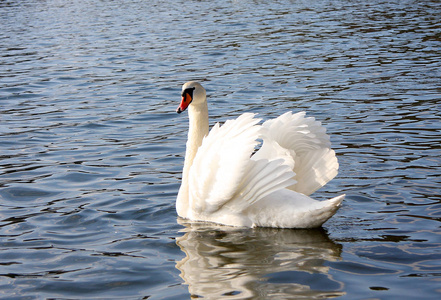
x=224, y=176
x=303, y=143
x=221, y=162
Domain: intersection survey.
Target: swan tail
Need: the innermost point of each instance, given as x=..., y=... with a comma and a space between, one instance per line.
x=325, y=210
x=289, y=209
x=328, y=209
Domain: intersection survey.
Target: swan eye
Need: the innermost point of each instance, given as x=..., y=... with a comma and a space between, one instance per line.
x=188, y=92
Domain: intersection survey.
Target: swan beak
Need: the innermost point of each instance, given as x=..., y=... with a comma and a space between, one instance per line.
x=185, y=102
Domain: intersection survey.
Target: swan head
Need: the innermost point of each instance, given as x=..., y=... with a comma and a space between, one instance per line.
x=192, y=92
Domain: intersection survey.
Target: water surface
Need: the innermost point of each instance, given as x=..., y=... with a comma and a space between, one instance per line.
x=91, y=149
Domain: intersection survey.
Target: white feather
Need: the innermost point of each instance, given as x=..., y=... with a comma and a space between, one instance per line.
x=224, y=182
x=304, y=142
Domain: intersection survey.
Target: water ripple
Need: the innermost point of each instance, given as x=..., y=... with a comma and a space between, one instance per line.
x=92, y=151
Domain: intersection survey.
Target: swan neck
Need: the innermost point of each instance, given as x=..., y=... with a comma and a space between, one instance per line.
x=198, y=129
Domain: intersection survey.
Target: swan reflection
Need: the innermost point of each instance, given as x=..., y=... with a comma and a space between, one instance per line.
x=258, y=263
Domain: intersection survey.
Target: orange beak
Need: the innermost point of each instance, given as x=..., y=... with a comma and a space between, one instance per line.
x=185, y=102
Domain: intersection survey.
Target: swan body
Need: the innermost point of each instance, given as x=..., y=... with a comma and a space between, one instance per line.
x=224, y=182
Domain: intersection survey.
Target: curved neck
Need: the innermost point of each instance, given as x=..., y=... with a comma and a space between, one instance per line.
x=198, y=129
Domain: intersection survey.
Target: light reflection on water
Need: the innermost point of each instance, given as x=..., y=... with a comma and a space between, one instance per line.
x=91, y=149
x=259, y=263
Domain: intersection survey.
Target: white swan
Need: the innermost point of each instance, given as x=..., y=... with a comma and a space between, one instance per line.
x=223, y=182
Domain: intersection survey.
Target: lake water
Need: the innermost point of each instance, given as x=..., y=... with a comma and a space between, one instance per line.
x=91, y=149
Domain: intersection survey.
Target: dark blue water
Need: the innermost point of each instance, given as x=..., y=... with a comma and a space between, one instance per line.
x=91, y=148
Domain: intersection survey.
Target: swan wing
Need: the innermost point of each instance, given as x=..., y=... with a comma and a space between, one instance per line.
x=221, y=162
x=303, y=143
x=223, y=175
